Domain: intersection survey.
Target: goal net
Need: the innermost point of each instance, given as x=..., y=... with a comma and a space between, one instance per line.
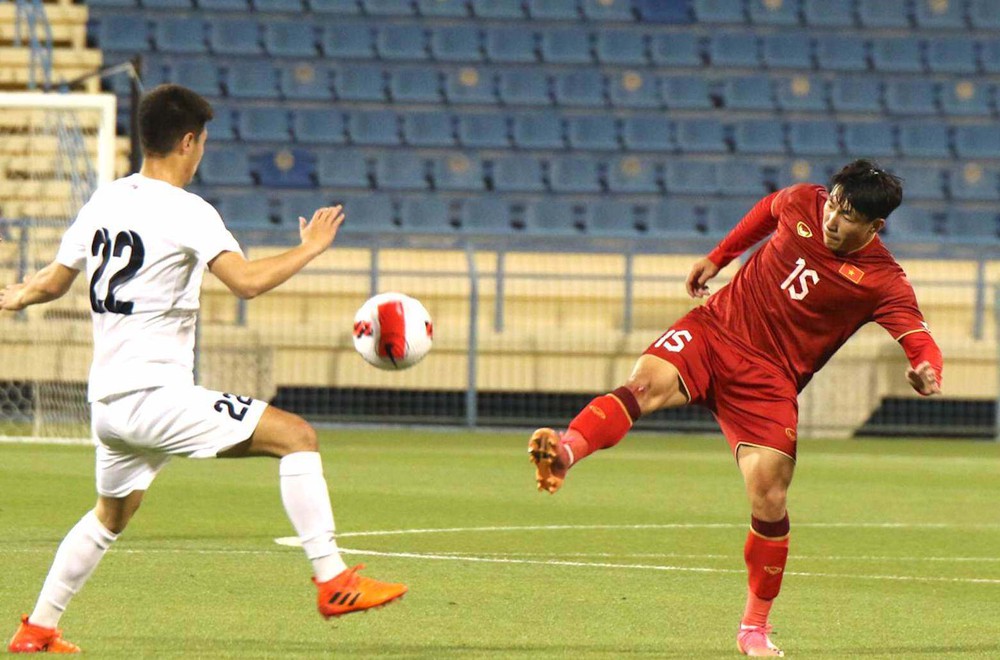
x=54, y=150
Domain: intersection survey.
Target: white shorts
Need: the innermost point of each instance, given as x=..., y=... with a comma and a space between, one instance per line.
x=137, y=433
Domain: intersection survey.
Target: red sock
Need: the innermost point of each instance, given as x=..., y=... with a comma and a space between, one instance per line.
x=765, y=552
x=602, y=423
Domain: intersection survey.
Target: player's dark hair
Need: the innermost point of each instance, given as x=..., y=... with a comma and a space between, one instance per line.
x=166, y=114
x=868, y=189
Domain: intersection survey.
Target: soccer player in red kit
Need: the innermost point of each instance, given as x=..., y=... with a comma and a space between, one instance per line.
x=751, y=348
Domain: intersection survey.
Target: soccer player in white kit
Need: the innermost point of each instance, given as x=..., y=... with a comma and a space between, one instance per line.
x=144, y=243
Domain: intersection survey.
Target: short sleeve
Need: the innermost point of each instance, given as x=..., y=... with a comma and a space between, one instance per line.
x=210, y=238
x=898, y=312
x=74, y=246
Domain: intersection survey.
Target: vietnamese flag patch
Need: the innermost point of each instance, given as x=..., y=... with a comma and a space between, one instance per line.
x=852, y=273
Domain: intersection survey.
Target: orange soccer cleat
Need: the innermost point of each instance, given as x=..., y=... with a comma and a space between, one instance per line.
x=551, y=459
x=30, y=638
x=754, y=641
x=349, y=592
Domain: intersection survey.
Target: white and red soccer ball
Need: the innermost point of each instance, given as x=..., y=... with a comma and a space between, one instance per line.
x=393, y=331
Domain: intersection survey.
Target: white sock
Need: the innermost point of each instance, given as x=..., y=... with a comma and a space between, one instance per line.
x=307, y=502
x=76, y=558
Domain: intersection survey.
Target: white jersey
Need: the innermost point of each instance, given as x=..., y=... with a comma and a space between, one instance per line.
x=144, y=245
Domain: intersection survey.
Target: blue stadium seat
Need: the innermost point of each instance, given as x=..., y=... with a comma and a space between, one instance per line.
x=199, y=74
x=349, y=41
x=285, y=168
x=685, y=177
x=769, y=12
x=828, y=13
x=868, y=139
x=613, y=218
x=883, y=13
x=123, y=32
x=718, y=11
x=286, y=6
x=510, y=45
x=701, y=135
x=181, y=35
x=924, y=140
x=456, y=43
x=908, y=96
x=335, y=7
x=554, y=9
x=387, y=7
x=252, y=80
x=426, y=215
x=657, y=11
x=368, y=213
x=225, y=167
x=801, y=93
x=897, y=55
x=487, y=130
x=290, y=39
x=741, y=179
x=951, y=55
x=787, y=51
x=632, y=174
x=575, y=173
x=920, y=182
x=234, y=36
x=804, y=170
x=966, y=98
x=518, y=174
x=977, y=227
x=759, y=136
x=852, y=94
x=597, y=132
x=538, y=131
x=401, y=42
x=318, y=126
x=579, y=87
x=647, y=133
x=401, y=170
x=305, y=82
x=977, y=141
x=938, y=14
x=736, y=49
x=509, y=9
x=608, y=10
x=984, y=14
x=258, y=124
x=342, y=168
x=428, y=129
x=555, y=217
x=974, y=182
x=415, y=85
x=632, y=89
x=813, y=138
x=566, y=46
x=524, y=87
x=675, y=49
x=674, y=217
x=360, y=82
x=721, y=216
x=685, y=92
x=373, y=127
x=458, y=171
x=909, y=224
x=989, y=55
x=245, y=211
x=449, y=8
x=167, y=4
x=290, y=206
x=487, y=215
x=622, y=47
x=748, y=93
x=838, y=52
x=222, y=127
x=469, y=85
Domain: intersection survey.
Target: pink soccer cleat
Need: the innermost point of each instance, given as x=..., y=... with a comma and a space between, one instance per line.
x=753, y=640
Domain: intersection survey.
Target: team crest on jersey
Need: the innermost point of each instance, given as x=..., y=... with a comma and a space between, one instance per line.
x=852, y=273
x=803, y=230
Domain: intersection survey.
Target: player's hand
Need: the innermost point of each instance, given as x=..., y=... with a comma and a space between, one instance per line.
x=924, y=379
x=701, y=272
x=322, y=229
x=10, y=300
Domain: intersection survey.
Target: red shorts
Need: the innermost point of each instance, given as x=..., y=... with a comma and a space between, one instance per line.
x=754, y=402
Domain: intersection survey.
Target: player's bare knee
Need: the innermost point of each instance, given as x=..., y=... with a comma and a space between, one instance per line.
x=769, y=502
x=302, y=436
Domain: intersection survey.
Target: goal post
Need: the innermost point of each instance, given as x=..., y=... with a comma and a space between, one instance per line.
x=54, y=150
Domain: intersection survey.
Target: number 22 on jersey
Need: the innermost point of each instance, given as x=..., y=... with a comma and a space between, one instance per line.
x=103, y=247
x=805, y=276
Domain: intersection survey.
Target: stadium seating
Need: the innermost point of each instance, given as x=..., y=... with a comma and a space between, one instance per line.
x=343, y=168
x=428, y=129
x=632, y=174
x=621, y=47
x=518, y=174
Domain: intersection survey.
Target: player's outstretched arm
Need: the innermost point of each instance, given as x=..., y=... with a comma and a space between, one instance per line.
x=248, y=279
x=924, y=378
x=701, y=272
x=49, y=283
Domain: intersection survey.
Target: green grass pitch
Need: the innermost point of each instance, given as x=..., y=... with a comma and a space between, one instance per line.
x=895, y=552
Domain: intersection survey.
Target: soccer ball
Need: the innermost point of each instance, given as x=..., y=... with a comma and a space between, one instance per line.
x=392, y=331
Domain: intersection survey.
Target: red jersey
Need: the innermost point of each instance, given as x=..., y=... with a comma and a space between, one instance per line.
x=795, y=302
